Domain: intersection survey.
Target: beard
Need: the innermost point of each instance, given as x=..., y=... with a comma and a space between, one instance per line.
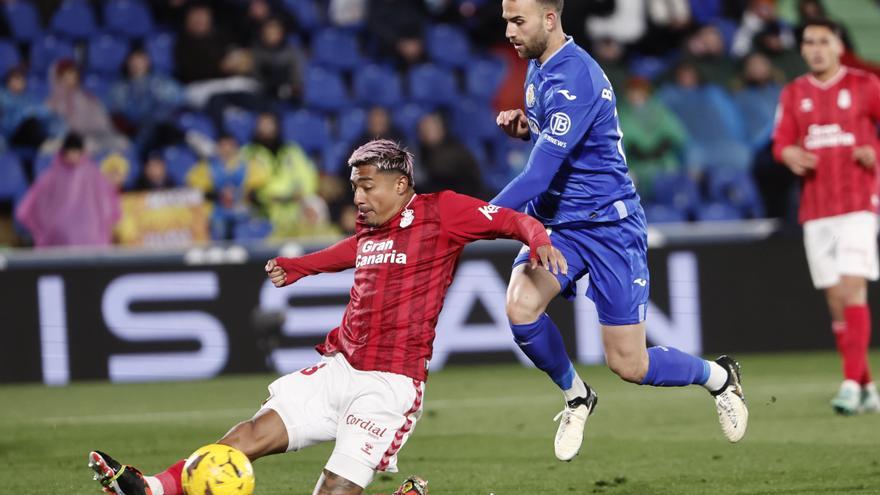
x=536, y=49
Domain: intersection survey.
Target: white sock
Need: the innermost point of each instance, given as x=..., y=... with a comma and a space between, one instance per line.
x=155, y=485
x=717, y=377
x=578, y=389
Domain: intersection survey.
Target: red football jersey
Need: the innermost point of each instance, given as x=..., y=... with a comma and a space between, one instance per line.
x=829, y=120
x=402, y=271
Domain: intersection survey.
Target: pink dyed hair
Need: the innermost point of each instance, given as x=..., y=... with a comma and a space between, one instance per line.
x=386, y=156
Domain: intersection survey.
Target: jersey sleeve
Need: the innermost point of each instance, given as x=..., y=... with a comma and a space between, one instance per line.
x=466, y=219
x=785, y=130
x=335, y=258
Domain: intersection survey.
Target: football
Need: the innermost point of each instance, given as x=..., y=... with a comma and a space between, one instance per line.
x=218, y=470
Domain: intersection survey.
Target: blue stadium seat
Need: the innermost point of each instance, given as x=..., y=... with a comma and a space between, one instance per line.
x=472, y=120
x=9, y=57
x=99, y=85
x=23, y=20
x=677, y=190
x=160, y=47
x=735, y=187
x=324, y=90
x=407, y=117
x=106, y=54
x=307, y=13
x=430, y=84
x=717, y=212
x=659, y=213
x=46, y=51
x=448, y=45
x=377, y=85
x=199, y=122
x=240, y=123
x=483, y=77
x=335, y=157
x=37, y=86
x=179, y=160
x=307, y=129
x=128, y=18
x=252, y=229
x=13, y=183
x=74, y=19
x=336, y=48
x=351, y=124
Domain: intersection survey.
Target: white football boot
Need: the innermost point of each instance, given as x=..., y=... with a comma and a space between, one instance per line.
x=870, y=399
x=730, y=402
x=848, y=397
x=572, y=421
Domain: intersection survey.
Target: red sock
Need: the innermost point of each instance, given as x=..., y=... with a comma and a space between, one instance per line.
x=841, y=339
x=858, y=329
x=170, y=479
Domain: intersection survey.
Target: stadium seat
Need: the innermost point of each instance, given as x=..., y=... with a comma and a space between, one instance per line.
x=335, y=157
x=37, y=86
x=432, y=85
x=196, y=121
x=483, y=77
x=677, y=190
x=23, y=20
x=240, y=123
x=9, y=57
x=351, y=124
x=160, y=47
x=179, y=160
x=336, y=48
x=46, y=51
x=407, y=117
x=106, y=54
x=307, y=129
x=448, y=46
x=377, y=85
x=735, y=187
x=307, y=13
x=324, y=90
x=13, y=183
x=74, y=19
x=128, y=18
x=717, y=212
x=99, y=85
x=658, y=213
x=252, y=229
x=472, y=120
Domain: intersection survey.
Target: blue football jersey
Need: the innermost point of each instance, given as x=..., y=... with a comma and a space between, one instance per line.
x=571, y=109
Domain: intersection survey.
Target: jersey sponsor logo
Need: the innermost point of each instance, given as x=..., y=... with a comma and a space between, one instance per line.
x=827, y=136
x=607, y=94
x=366, y=425
x=560, y=123
x=530, y=96
x=806, y=105
x=534, y=127
x=568, y=96
x=379, y=252
x=406, y=218
x=488, y=210
x=557, y=142
x=844, y=99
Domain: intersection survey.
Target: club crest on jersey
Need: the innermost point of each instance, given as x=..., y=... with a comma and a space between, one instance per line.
x=534, y=127
x=844, y=99
x=530, y=96
x=406, y=218
x=806, y=105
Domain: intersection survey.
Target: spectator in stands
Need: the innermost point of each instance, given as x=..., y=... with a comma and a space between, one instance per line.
x=379, y=126
x=669, y=22
x=291, y=174
x=347, y=13
x=706, y=49
x=82, y=111
x=24, y=120
x=143, y=101
x=444, y=162
x=626, y=23
x=609, y=53
x=655, y=138
x=155, y=176
x=72, y=203
x=771, y=43
x=758, y=16
x=399, y=26
x=278, y=65
x=116, y=167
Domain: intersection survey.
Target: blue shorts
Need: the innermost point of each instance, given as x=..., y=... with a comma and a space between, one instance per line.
x=615, y=255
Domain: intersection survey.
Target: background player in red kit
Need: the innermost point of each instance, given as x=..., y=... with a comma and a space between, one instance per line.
x=826, y=132
x=366, y=392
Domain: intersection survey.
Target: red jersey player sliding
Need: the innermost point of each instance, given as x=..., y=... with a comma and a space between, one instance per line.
x=366, y=391
x=826, y=132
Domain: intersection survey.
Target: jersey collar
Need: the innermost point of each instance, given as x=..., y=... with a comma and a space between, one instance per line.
x=568, y=41
x=831, y=82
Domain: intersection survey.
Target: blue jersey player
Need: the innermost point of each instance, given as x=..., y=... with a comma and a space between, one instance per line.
x=576, y=182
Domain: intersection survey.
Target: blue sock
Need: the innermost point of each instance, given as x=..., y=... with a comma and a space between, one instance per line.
x=669, y=367
x=542, y=343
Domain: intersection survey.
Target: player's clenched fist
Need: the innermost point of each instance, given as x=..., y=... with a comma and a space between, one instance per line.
x=275, y=273
x=514, y=123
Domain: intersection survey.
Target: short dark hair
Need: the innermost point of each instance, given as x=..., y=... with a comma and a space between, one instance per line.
x=826, y=23
x=72, y=141
x=553, y=4
x=386, y=155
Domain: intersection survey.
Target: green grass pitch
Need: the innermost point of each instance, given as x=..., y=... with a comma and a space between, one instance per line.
x=486, y=429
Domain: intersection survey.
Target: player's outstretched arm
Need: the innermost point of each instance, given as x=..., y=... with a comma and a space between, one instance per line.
x=534, y=179
x=340, y=256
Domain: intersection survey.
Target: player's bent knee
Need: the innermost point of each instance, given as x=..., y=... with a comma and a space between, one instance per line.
x=259, y=436
x=627, y=368
x=522, y=311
